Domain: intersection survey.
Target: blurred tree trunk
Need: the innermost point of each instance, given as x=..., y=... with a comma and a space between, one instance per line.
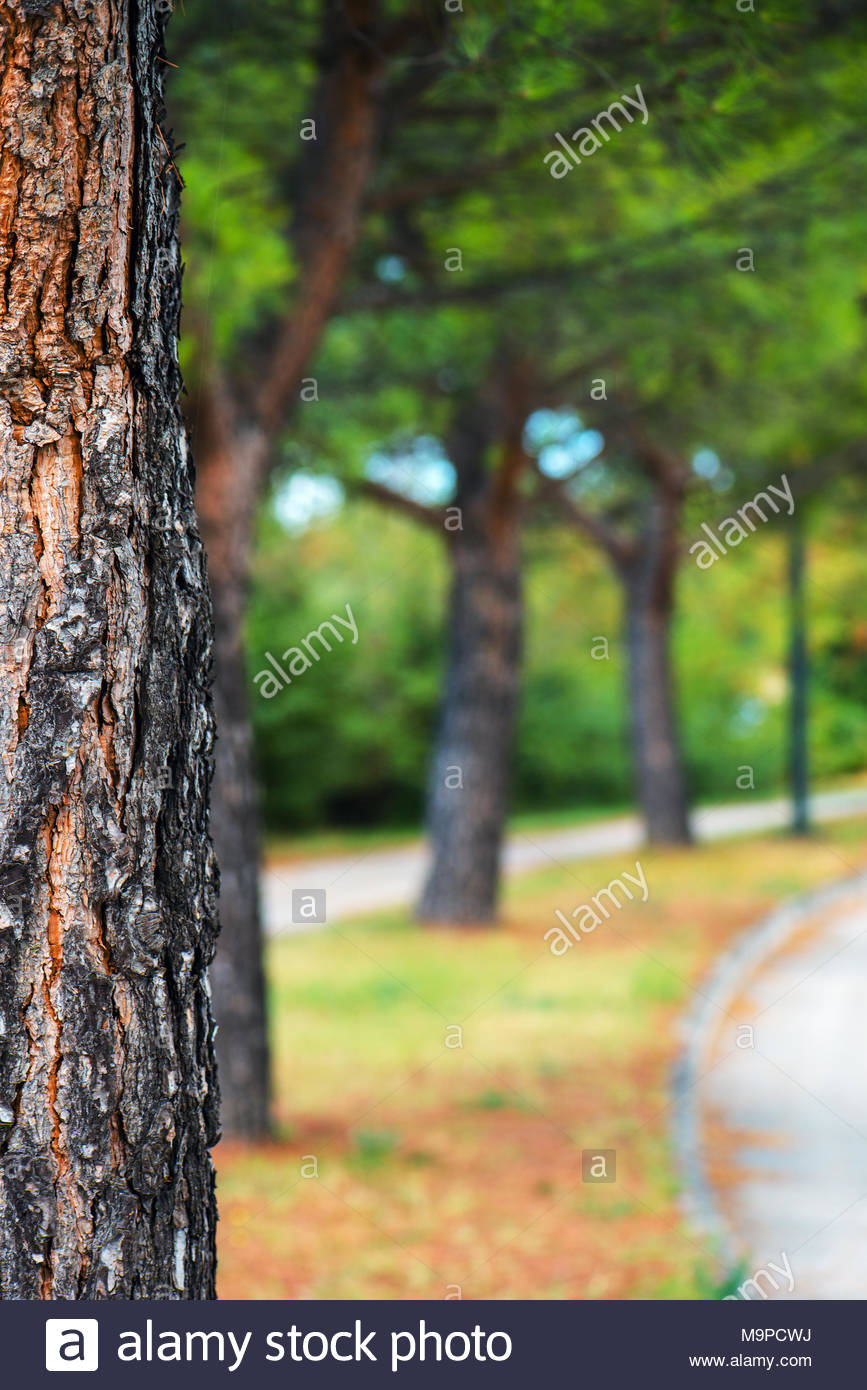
x=645, y=560
x=470, y=773
x=235, y=431
x=228, y=463
x=468, y=796
x=799, y=676
x=656, y=749
x=107, y=1090
x=648, y=579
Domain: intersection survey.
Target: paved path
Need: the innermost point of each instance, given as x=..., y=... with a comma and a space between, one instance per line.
x=383, y=878
x=778, y=1130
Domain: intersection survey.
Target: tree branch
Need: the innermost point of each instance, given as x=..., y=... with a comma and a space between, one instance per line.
x=452, y=181
x=807, y=482
x=348, y=110
x=432, y=517
x=662, y=465
x=619, y=548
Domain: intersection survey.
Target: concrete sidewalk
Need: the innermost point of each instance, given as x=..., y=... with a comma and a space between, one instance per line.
x=772, y=1101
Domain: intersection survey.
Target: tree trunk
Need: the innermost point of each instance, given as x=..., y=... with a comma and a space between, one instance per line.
x=237, y=975
x=470, y=771
x=799, y=676
x=656, y=749
x=107, y=1091
x=229, y=468
x=469, y=785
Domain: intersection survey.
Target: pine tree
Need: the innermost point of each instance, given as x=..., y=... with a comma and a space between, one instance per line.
x=107, y=1089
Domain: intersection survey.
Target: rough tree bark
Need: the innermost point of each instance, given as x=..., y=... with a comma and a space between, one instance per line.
x=470, y=771
x=107, y=1091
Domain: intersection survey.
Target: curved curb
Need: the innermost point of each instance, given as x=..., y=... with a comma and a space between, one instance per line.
x=717, y=991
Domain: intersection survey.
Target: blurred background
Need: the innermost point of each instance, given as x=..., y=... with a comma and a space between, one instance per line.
x=528, y=344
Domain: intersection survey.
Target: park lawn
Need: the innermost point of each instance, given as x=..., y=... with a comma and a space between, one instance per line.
x=446, y=1169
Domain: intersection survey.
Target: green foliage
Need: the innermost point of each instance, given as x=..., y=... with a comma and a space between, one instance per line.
x=628, y=261
x=236, y=101
x=348, y=741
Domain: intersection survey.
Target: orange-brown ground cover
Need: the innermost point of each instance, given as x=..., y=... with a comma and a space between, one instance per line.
x=408, y=1168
